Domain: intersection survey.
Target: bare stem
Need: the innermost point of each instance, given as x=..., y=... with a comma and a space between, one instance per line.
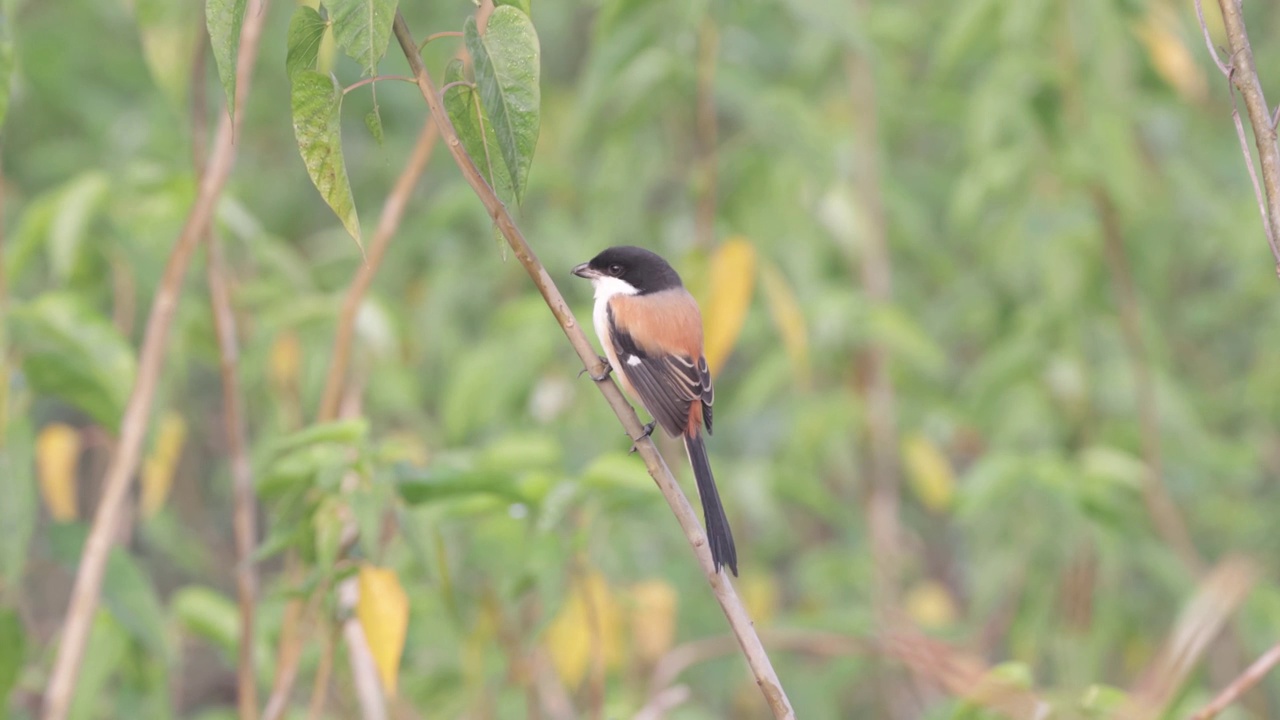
x=376, y=78
x=119, y=475
x=1250, y=677
x=437, y=36
x=739, y=621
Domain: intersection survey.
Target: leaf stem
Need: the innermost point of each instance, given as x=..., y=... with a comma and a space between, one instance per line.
x=437, y=36
x=374, y=79
x=454, y=84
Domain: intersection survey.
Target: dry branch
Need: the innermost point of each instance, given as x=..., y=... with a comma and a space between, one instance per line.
x=739, y=622
x=1250, y=677
x=119, y=475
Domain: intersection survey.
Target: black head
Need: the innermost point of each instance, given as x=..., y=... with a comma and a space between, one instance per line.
x=642, y=269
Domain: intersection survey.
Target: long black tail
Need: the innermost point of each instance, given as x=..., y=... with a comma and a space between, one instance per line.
x=718, y=534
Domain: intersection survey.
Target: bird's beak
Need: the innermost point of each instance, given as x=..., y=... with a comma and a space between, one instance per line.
x=584, y=271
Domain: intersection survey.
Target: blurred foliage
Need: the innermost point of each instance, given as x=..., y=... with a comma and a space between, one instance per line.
x=505, y=542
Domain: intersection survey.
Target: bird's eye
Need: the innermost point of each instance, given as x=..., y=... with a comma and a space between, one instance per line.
x=615, y=270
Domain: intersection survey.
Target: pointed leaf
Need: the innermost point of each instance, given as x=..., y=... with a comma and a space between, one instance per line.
x=223, y=19
x=788, y=318
x=383, y=611
x=169, y=31
x=363, y=29
x=317, y=111
x=733, y=281
x=306, y=31
x=79, y=202
x=373, y=121
x=6, y=63
x=159, y=467
x=462, y=103
x=506, y=60
x=70, y=351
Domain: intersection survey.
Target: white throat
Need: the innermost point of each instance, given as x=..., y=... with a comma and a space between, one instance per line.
x=606, y=287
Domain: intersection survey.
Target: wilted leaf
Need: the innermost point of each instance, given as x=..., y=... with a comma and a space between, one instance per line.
x=653, y=619
x=57, y=456
x=363, y=29
x=788, y=319
x=589, y=617
x=733, y=281
x=306, y=31
x=383, y=611
x=169, y=31
x=760, y=594
x=474, y=130
x=317, y=125
x=1169, y=55
x=285, y=361
x=930, y=605
x=73, y=353
x=930, y=473
x=224, y=18
x=507, y=60
x=159, y=467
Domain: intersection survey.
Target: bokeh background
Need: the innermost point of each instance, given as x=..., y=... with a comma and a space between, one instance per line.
x=994, y=266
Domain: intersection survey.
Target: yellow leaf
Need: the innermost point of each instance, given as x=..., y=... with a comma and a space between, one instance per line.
x=383, y=612
x=286, y=358
x=1169, y=55
x=760, y=595
x=930, y=605
x=589, y=620
x=930, y=473
x=733, y=280
x=788, y=319
x=653, y=619
x=57, y=455
x=160, y=466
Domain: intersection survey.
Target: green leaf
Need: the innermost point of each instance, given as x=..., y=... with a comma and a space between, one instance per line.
x=223, y=19
x=317, y=114
x=104, y=656
x=169, y=31
x=6, y=66
x=362, y=29
x=506, y=60
x=73, y=353
x=18, y=512
x=462, y=103
x=345, y=432
x=521, y=5
x=78, y=203
x=208, y=614
x=373, y=121
x=128, y=593
x=418, y=488
x=306, y=31
x=13, y=648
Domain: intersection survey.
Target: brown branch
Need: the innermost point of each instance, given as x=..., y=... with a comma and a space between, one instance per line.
x=1242, y=73
x=1250, y=677
x=388, y=223
x=739, y=621
x=88, y=583
x=1160, y=506
x=376, y=78
x=224, y=322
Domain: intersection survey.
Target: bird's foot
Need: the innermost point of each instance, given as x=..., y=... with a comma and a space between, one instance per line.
x=648, y=430
x=603, y=374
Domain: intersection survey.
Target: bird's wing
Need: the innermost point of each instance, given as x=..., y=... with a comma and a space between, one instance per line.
x=666, y=383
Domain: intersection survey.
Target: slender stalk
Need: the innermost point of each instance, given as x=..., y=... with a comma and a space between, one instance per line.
x=119, y=475
x=1250, y=677
x=739, y=621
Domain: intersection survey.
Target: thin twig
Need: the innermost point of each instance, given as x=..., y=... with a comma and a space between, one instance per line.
x=392, y=213
x=1208, y=41
x=739, y=621
x=376, y=78
x=1250, y=677
x=1160, y=505
x=243, y=503
x=1243, y=75
x=1253, y=173
x=437, y=36
x=456, y=83
x=119, y=476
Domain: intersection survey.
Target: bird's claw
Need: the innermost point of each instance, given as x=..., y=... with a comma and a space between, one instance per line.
x=648, y=430
x=607, y=369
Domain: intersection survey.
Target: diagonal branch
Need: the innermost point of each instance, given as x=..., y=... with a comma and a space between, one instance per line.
x=93, y=559
x=739, y=622
x=1242, y=73
x=1250, y=677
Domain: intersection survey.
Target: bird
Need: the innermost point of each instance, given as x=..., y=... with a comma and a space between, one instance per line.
x=651, y=331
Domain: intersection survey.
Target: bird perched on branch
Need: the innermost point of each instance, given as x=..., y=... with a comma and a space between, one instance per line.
x=651, y=331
